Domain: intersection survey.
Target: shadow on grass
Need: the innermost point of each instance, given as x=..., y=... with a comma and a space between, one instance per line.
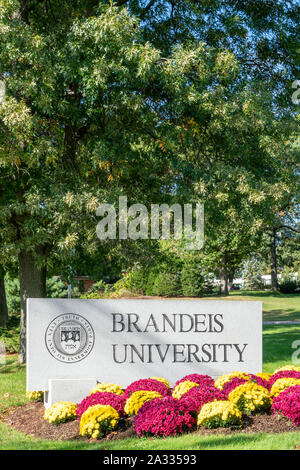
x=263, y=293
x=11, y=367
x=225, y=441
x=277, y=342
x=287, y=314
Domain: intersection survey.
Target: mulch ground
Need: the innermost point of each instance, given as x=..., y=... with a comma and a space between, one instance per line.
x=29, y=420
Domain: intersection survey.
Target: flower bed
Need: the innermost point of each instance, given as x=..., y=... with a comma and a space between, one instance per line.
x=151, y=408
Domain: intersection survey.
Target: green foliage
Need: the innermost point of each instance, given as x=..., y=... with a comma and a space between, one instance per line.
x=152, y=275
x=252, y=274
x=12, y=287
x=97, y=291
x=101, y=104
x=11, y=335
x=289, y=286
x=167, y=284
x=193, y=279
x=137, y=280
x=55, y=288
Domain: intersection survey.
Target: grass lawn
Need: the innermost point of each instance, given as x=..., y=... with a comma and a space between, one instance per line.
x=277, y=346
x=276, y=306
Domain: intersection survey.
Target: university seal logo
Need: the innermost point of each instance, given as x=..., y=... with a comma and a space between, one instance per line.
x=69, y=338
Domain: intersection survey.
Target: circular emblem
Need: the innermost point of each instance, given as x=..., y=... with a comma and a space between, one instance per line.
x=69, y=338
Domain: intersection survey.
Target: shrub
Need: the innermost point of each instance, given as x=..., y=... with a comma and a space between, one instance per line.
x=98, y=290
x=196, y=397
x=137, y=399
x=35, y=395
x=137, y=281
x=192, y=279
x=98, y=420
x=102, y=398
x=287, y=403
x=56, y=288
x=163, y=417
x=166, y=284
x=152, y=274
x=250, y=397
x=219, y=414
x=107, y=387
x=289, y=287
x=10, y=335
x=281, y=384
x=152, y=385
x=199, y=379
x=252, y=274
x=61, y=412
x=182, y=388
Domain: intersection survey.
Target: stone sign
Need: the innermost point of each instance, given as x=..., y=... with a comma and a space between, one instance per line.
x=70, y=341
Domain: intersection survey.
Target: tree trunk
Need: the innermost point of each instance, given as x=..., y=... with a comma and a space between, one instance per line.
x=3, y=303
x=32, y=284
x=273, y=261
x=224, y=277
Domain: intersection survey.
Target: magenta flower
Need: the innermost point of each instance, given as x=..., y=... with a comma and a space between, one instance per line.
x=232, y=384
x=201, y=380
x=196, y=397
x=282, y=375
x=163, y=417
x=287, y=403
x=147, y=385
x=259, y=380
x=102, y=398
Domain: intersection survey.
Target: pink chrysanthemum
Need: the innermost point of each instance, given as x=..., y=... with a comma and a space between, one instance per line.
x=102, y=398
x=201, y=380
x=152, y=385
x=163, y=417
x=287, y=403
x=196, y=397
x=284, y=374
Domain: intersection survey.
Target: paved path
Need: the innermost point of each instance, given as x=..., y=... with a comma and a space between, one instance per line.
x=282, y=322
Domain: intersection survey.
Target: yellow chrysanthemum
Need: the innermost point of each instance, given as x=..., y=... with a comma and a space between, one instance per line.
x=281, y=384
x=98, y=420
x=223, y=379
x=137, y=399
x=107, y=387
x=250, y=397
x=291, y=367
x=60, y=412
x=182, y=388
x=264, y=375
x=161, y=379
x=219, y=413
x=35, y=395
